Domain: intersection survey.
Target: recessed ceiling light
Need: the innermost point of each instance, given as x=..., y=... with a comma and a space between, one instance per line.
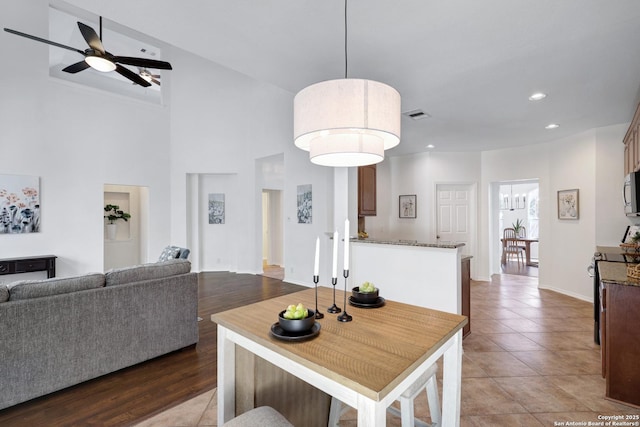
x=552, y=126
x=537, y=96
x=431, y=146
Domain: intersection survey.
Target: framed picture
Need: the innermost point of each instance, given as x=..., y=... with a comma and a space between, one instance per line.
x=19, y=204
x=631, y=231
x=407, y=206
x=305, y=204
x=216, y=208
x=568, y=204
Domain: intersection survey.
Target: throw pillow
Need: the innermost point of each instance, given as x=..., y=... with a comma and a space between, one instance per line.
x=170, y=252
x=4, y=293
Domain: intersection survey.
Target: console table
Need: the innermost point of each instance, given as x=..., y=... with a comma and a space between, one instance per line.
x=29, y=264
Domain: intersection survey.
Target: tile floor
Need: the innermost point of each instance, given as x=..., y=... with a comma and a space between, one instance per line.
x=530, y=360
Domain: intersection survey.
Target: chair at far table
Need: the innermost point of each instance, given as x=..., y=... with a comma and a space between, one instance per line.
x=511, y=247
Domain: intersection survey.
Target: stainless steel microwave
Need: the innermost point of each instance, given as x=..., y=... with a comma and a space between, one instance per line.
x=631, y=194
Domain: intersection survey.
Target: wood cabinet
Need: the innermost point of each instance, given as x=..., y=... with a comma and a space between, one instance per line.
x=620, y=342
x=367, y=190
x=466, y=294
x=632, y=145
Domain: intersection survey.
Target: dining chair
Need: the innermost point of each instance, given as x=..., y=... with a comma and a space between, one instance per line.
x=426, y=381
x=522, y=234
x=261, y=416
x=511, y=247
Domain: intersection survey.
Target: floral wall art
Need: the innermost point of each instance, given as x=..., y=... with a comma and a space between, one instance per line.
x=305, y=204
x=19, y=204
x=568, y=204
x=216, y=208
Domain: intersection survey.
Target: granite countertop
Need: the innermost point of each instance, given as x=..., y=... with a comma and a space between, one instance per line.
x=401, y=242
x=616, y=273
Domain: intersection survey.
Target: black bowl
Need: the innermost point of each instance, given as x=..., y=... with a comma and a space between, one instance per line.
x=364, y=297
x=297, y=325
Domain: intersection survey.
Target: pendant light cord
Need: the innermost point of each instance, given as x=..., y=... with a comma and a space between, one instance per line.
x=346, y=61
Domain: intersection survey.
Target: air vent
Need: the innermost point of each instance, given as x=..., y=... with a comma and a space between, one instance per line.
x=416, y=114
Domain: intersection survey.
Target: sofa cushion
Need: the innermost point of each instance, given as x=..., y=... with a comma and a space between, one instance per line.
x=26, y=289
x=138, y=273
x=4, y=293
x=170, y=252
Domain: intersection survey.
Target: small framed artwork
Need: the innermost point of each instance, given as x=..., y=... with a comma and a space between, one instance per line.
x=216, y=208
x=632, y=230
x=407, y=206
x=568, y=204
x=305, y=204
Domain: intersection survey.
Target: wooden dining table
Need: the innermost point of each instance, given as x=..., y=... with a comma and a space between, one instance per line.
x=526, y=245
x=366, y=363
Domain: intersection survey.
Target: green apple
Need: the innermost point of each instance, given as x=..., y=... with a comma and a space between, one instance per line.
x=367, y=287
x=298, y=311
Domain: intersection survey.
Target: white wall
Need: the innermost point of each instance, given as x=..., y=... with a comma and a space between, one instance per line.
x=590, y=162
x=75, y=139
x=223, y=122
x=417, y=174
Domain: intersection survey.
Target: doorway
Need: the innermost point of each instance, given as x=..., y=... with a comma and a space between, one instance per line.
x=517, y=206
x=272, y=234
x=455, y=215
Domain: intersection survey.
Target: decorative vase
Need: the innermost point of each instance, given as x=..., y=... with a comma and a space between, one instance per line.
x=111, y=231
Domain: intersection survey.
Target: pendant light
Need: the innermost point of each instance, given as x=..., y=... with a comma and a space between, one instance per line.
x=346, y=122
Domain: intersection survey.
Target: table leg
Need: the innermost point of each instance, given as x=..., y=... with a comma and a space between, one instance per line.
x=504, y=254
x=527, y=251
x=452, y=382
x=370, y=413
x=226, y=377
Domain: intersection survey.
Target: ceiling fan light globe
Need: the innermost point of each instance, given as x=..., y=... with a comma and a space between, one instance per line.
x=99, y=63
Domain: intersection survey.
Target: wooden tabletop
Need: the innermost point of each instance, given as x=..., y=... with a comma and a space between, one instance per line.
x=371, y=354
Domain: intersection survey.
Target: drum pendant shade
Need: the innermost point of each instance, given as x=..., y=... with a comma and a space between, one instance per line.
x=346, y=122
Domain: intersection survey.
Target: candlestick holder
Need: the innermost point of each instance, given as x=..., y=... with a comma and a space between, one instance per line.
x=318, y=314
x=334, y=308
x=345, y=317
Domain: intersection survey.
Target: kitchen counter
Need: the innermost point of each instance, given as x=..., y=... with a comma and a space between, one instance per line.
x=401, y=242
x=422, y=274
x=616, y=273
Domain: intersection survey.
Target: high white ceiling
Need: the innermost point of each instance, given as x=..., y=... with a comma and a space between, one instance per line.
x=470, y=64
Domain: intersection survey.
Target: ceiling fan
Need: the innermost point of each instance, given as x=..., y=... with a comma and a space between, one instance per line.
x=99, y=59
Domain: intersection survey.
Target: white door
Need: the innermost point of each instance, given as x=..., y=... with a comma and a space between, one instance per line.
x=454, y=221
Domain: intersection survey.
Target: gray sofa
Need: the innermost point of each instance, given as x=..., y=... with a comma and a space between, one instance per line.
x=59, y=332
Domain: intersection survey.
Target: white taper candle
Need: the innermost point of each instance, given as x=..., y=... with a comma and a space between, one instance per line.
x=346, y=244
x=316, y=262
x=334, y=273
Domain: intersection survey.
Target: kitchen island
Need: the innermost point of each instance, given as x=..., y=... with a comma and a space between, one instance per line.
x=423, y=274
x=619, y=335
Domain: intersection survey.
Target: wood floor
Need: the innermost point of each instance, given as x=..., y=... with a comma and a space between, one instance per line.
x=133, y=394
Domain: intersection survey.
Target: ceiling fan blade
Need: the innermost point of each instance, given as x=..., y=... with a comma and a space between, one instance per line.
x=77, y=67
x=143, y=62
x=155, y=81
x=131, y=75
x=29, y=36
x=91, y=37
